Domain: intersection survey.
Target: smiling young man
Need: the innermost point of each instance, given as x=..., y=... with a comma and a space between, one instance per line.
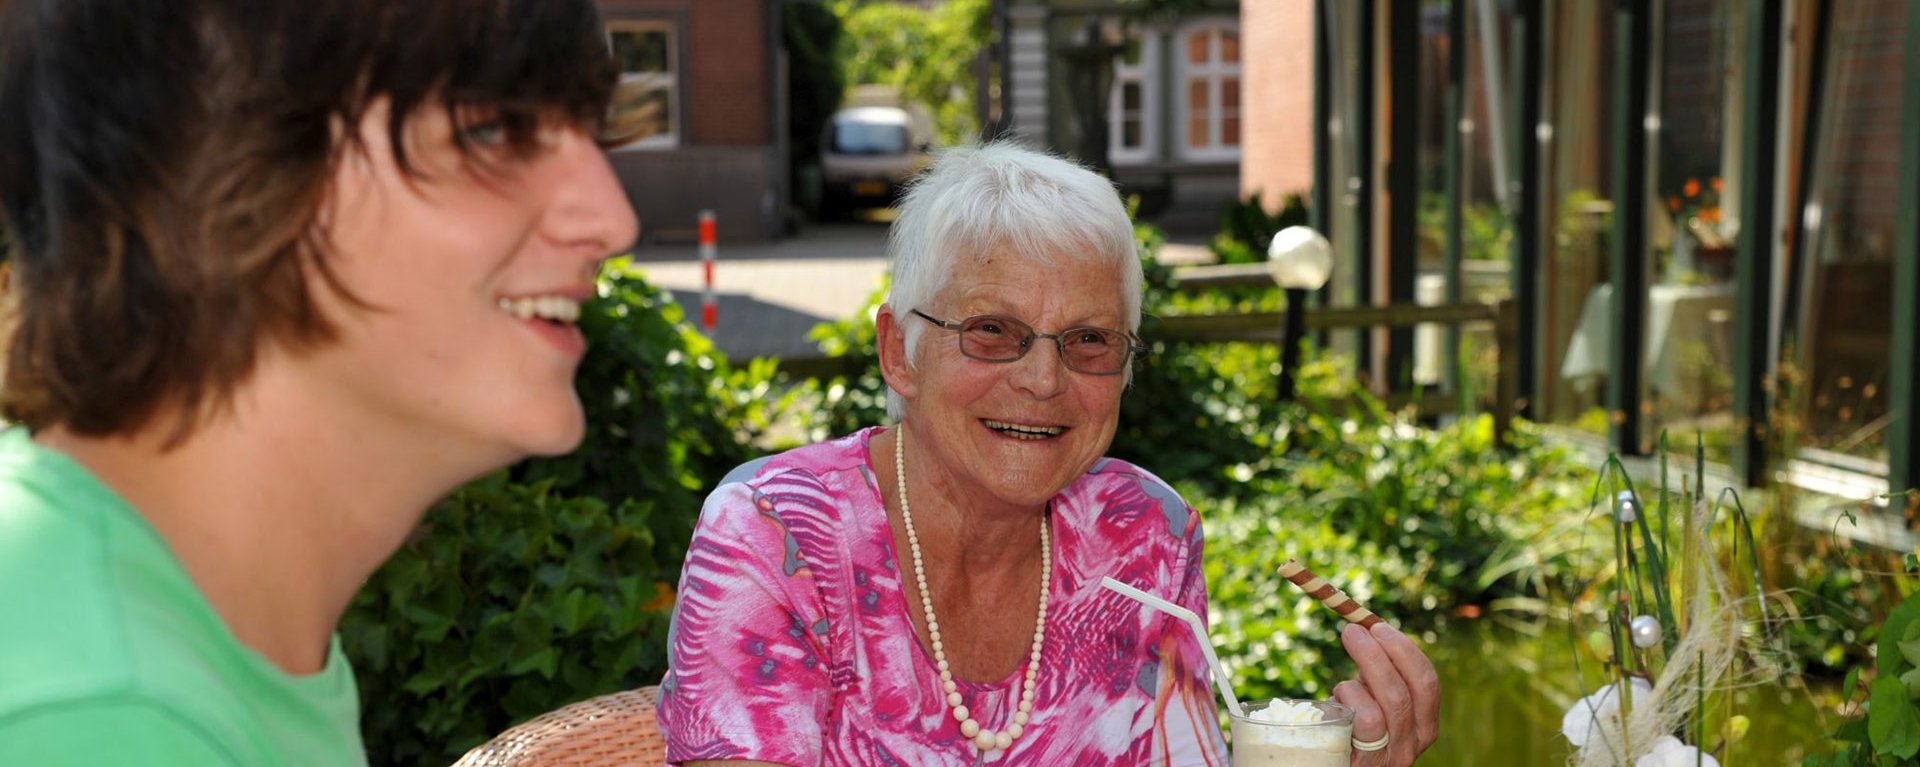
x=284, y=273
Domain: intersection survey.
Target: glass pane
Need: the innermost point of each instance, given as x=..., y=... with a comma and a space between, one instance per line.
x=1197, y=102
x=854, y=135
x=642, y=50
x=1347, y=179
x=1577, y=214
x=1197, y=47
x=1230, y=93
x=1687, y=359
x=1230, y=131
x=1486, y=237
x=1847, y=270
x=1230, y=47
x=1197, y=132
x=1130, y=97
x=1430, y=358
x=1130, y=54
x=1130, y=133
x=642, y=107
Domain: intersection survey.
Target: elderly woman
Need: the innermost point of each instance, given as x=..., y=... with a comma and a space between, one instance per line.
x=929, y=594
x=285, y=272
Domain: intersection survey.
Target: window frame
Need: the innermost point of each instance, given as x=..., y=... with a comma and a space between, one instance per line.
x=1215, y=72
x=1146, y=75
x=669, y=81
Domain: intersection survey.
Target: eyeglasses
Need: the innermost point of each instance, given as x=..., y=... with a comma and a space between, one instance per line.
x=998, y=338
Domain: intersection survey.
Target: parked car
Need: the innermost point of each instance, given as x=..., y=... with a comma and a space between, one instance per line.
x=870, y=153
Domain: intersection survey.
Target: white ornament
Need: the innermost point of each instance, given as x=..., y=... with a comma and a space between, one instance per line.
x=1645, y=631
x=1668, y=751
x=1586, y=714
x=1629, y=507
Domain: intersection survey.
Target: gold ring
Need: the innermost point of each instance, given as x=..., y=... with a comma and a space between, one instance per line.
x=1370, y=745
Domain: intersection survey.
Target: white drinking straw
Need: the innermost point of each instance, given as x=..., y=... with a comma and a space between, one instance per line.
x=1220, y=679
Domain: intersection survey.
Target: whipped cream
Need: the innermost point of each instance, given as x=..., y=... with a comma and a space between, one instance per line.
x=1292, y=725
x=1288, y=712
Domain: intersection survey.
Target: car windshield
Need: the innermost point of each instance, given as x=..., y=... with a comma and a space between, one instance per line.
x=851, y=137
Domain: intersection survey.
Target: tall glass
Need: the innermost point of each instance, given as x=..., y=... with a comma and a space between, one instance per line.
x=1293, y=733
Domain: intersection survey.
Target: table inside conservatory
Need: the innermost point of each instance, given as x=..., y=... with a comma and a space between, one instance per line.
x=1680, y=319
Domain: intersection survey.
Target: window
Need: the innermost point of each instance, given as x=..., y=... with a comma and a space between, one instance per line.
x=1134, y=103
x=1209, y=92
x=648, y=100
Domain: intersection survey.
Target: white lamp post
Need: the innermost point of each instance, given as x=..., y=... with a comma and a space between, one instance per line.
x=1300, y=261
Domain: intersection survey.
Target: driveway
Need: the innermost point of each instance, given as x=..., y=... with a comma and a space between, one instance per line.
x=769, y=295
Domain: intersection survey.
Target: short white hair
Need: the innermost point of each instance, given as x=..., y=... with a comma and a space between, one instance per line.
x=1008, y=198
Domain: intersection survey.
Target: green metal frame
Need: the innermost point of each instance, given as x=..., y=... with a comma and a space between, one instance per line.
x=1320, y=200
x=1366, y=108
x=1528, y=45
x=1903, y=380
x=1403, y=179
x=1628, y=262
x=1753, y=264
x=1455, y=112
x=1809, y=149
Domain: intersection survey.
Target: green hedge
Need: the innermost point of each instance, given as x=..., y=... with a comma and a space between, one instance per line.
x=551, y=582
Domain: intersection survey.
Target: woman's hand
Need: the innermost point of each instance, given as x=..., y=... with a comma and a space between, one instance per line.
x=1397, y=696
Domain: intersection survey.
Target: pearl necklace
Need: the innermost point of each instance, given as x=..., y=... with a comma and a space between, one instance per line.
x=983, y=739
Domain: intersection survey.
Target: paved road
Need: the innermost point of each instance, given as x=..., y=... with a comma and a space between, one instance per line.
x=771, y=294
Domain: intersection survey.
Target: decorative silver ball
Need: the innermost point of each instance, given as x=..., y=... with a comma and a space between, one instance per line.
x=1629, y=507
x=1645, y=631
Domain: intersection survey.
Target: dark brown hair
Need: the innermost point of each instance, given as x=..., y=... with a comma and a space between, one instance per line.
x=162, y=164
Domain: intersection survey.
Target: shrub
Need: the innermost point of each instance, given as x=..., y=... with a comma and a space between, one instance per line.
x=1885, y=689
x=1246, y=227
x=552, y=581
x=1417, y=524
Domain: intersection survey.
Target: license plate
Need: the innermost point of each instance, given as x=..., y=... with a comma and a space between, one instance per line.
x=870, y=188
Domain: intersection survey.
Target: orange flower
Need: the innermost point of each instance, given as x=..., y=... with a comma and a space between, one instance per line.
x=663, y=598
x=1692, y=189
x=1718, y=184
x=1673, y=204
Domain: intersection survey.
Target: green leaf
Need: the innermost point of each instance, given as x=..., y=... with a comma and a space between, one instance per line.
x=1910, y=646
x=1892, y=722
x=1893, y=632
x=1911, y=680
x=1851, y=685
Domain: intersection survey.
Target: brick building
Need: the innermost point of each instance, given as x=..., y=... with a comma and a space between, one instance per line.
x=1276, y=156
x=710, y=72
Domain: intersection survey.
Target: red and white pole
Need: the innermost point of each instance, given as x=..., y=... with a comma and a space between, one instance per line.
x=709, y=237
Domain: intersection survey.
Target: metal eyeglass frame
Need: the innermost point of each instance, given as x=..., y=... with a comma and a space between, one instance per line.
x=1134, y=347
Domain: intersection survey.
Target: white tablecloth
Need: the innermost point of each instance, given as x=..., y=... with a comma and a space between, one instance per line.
x=1675, y=313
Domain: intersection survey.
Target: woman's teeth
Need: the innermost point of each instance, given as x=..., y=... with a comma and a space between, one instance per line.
x=552, y=308
x=1018, y=431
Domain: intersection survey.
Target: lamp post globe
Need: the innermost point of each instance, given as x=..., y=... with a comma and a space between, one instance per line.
x=1299, y=258
x=1300, y=261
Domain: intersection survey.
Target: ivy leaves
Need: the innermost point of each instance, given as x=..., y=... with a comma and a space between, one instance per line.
x=1889, y=735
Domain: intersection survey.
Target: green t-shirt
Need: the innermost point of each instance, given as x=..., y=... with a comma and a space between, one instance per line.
x=110, y=655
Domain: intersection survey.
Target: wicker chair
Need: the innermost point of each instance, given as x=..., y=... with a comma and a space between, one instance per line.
x=614, y=729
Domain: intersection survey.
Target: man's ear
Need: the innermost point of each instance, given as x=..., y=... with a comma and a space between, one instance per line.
x=894, y=365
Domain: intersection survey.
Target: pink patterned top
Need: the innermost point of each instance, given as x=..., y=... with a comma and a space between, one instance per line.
x=792, y=643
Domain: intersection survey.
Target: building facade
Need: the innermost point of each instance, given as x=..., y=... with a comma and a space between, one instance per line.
x=1161, y=98
x=706, y=77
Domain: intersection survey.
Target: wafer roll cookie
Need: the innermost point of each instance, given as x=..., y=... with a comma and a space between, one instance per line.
x=1318, y=588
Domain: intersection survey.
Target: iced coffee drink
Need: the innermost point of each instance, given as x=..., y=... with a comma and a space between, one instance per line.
x=1293, y=733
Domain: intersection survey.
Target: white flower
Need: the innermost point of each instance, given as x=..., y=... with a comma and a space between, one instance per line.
x=1668, y=751
x=1579, y=722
